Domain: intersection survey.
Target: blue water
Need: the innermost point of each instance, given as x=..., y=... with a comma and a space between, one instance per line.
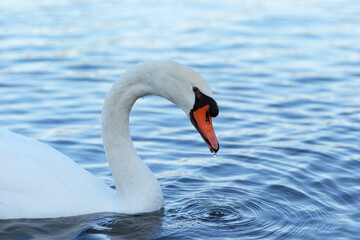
x=285, y=74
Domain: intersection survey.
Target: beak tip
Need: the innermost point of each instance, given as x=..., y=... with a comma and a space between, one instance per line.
x=216, y=149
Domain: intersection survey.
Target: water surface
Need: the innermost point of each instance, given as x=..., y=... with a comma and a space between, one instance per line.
x=285, y=74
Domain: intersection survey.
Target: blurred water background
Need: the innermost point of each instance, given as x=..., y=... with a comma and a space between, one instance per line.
x=286, y=76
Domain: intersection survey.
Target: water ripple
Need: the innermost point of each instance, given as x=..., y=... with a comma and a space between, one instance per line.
x=285, y=76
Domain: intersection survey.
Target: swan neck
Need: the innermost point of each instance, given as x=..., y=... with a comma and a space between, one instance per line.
x=132, y=177
x=118, y=145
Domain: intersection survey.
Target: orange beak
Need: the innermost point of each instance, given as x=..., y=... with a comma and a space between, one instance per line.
x=201, y=120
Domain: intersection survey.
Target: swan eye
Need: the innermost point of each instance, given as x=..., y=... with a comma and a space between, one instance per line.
x=197, y=92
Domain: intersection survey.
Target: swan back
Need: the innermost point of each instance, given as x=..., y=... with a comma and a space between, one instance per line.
x=38, y=181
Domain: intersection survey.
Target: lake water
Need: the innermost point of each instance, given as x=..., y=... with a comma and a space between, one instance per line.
x=285, y=74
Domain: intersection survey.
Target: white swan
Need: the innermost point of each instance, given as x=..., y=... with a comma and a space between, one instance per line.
x=36, y=181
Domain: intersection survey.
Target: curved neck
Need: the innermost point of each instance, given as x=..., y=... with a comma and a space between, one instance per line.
x=132, y=177
x=115, y=117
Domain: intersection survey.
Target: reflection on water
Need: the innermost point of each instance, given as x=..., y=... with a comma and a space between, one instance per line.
x=92, y=226
x=285, y=75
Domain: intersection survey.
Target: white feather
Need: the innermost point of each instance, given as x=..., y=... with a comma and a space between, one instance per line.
x=36, y=181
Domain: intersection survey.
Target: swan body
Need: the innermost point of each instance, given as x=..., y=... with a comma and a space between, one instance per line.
x=37, y=181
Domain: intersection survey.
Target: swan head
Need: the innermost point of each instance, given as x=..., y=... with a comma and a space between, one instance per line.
x=188, y=90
